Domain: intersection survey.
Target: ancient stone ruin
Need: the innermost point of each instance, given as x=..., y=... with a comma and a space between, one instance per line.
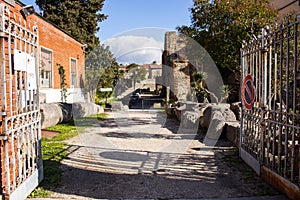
x=176, y=68
x=218, y=118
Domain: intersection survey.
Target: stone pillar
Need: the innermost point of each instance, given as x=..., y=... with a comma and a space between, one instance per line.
x=175, y=70
x=170, y=42
x=181, y=82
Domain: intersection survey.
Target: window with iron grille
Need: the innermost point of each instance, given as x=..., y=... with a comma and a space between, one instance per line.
x=73, y=76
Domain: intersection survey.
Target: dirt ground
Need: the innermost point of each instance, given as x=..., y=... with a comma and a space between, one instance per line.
x=127, y=156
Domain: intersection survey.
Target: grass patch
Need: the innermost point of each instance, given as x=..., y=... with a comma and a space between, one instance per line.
x=67, y=131
x=87, y=122
x=54, y=151
x=99, y=116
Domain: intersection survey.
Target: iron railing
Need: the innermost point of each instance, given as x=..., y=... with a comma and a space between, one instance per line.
x=271, y=130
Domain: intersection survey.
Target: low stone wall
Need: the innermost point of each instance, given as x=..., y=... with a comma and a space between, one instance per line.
x=227, y=115
x=55, y=113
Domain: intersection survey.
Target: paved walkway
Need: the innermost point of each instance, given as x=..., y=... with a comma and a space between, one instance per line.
x=142, y=155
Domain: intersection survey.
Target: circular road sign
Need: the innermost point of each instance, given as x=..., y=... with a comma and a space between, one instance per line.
x=248, y=92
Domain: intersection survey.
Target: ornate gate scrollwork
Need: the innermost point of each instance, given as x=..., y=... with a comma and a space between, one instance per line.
x=20, y=116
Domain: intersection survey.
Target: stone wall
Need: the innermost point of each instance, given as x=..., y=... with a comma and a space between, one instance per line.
x=216, y=118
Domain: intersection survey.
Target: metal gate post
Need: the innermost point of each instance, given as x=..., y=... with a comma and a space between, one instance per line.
x=242, y=110
x=3, y=112
x=264, y=91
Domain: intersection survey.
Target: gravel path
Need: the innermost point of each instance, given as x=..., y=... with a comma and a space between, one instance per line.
x=143, y=155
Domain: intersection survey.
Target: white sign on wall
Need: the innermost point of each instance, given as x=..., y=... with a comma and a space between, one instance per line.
x=31, y=73
x=26, y=62
x=20, y=60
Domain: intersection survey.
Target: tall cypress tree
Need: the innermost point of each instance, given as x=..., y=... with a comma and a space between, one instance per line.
x=79, y=18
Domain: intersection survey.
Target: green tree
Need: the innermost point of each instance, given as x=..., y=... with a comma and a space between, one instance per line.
x=198, y=85
x=109, y=79
x=79, y=18
x=101, y=70
x=136, y=73
x=221, y=26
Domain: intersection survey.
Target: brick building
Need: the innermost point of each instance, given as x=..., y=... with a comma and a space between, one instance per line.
x=30, y=50
x=153, y=70
x=56, y=47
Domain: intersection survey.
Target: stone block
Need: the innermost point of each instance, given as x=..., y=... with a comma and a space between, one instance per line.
x=215, y=128
x=232, y=132
x=51, y=114
x=125, y=108
x=190, y=119
x=223, y=108
x=191, y=105
x=55, y=113
x=117, y=105
x=85, y=109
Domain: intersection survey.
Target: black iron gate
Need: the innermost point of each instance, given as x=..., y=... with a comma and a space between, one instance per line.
x=270, y=131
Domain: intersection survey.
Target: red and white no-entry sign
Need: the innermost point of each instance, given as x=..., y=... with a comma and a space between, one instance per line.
x=248, y=92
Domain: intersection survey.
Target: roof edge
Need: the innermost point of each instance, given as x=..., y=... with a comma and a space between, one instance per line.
x=43, y=18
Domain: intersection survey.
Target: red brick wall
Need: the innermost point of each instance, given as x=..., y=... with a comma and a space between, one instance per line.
x=63, y=46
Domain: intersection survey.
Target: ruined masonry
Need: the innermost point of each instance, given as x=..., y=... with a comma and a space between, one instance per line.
x=176, y=68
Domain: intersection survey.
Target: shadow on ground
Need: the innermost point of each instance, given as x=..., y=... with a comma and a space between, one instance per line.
x=201, y=172
x=219, y=175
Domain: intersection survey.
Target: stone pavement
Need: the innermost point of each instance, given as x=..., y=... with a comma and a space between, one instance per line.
x=144, y=155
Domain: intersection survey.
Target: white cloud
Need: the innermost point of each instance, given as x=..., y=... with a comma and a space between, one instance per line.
x=135, y=49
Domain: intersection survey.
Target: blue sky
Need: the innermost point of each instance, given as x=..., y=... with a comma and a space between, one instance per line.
x=140, y=20
x=124, y=15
